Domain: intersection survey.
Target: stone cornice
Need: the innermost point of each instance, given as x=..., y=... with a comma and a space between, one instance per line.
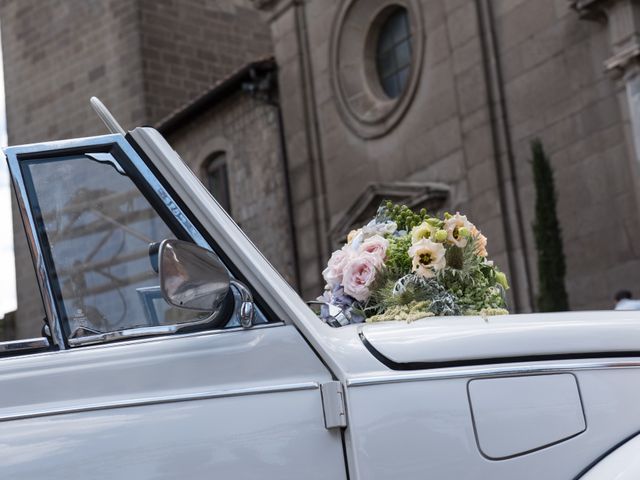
x=624, y=59
x=623, y=25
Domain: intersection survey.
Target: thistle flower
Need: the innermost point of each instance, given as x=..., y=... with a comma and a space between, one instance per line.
x=427, y=257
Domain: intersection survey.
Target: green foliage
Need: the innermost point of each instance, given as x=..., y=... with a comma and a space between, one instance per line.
x=398, y=262
x=552, y=295
x=410, y=294
x=404, y=217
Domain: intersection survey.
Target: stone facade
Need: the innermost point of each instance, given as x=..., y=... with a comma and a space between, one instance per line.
x=494, y=74
x=246, y=130
x=488, y=76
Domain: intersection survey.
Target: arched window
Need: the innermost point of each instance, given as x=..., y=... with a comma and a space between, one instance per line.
x=216, y=179
x=393, y=52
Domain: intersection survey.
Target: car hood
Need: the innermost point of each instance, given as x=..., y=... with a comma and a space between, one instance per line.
x=451, y=341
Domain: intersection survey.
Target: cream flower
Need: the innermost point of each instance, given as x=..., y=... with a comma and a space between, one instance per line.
x=359, y=274
x=458, y=230
x=428, y=257
x=353, y=234
x=424, y=230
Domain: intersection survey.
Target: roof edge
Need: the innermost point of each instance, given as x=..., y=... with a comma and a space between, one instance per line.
x=213, y=95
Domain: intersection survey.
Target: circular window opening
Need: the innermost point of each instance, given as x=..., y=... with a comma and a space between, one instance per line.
x=393, y=52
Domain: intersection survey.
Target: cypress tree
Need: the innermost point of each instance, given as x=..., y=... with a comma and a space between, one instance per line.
x=552, y=295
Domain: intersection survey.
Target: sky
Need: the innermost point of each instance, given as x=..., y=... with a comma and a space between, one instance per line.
x=7, y=267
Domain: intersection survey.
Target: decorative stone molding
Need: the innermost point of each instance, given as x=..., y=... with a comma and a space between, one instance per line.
x=416, y=195
x=623, y=61
x=362, y=104
x=623, y=21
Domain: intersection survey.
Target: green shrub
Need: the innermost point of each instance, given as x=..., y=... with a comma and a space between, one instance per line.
x=552, y=295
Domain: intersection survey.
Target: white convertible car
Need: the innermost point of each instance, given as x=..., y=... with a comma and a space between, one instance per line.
x=173, y=350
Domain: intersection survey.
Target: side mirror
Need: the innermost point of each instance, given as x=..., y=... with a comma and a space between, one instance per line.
x=191, y=277
x=194, y=278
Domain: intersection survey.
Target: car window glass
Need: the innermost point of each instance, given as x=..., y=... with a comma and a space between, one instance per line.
x=99, y=227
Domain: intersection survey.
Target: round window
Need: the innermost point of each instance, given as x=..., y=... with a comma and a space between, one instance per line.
x=377, y=50
x=393, y=52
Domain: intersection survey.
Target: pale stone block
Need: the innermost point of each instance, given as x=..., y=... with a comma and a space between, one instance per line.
x=462, y=24
x=467, y=55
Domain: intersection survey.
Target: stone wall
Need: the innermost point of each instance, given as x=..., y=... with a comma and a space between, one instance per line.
x=246, y=129
x=493, y=75
x=443, y=136
x=556, y=88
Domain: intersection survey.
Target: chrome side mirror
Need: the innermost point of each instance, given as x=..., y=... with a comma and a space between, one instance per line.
x=194, y=278
x=191, y=277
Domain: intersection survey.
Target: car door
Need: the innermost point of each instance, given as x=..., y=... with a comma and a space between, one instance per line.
x=124, y=391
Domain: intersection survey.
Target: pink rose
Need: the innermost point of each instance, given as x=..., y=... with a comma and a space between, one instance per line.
x=335, y=267
x=358, y=275
x=376, y=246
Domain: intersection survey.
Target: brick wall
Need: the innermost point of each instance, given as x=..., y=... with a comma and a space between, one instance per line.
x=246, y=129
x=188, y=45
x=143, y=58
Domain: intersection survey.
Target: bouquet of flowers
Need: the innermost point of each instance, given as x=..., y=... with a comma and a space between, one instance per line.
x=405, y=265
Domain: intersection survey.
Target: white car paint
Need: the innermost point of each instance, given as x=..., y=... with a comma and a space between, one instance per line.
x=622, y=464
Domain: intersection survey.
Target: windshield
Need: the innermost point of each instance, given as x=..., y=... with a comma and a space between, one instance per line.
x=99, y=228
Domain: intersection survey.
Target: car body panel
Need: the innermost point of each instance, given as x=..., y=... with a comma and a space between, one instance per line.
x=621, y=464
x=420, y=429
x=214, y=401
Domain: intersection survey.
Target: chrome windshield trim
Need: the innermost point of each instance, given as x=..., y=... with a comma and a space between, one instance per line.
x=161, y=192
x=178, y=398
x=494, y=371
x=76, y=146
x=24, y=345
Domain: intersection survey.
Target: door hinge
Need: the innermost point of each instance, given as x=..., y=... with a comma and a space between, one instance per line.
x=333, y=404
